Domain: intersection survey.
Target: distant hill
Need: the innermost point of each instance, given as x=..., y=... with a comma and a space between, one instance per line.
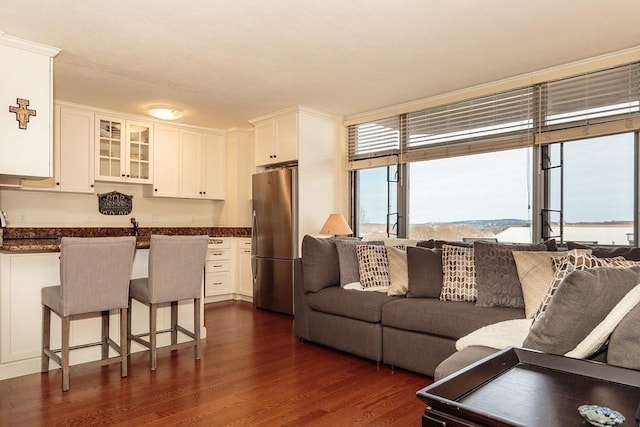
x=503, y=222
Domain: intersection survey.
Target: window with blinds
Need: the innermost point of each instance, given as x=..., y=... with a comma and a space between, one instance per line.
x=499, y=115
x=596, y=97
x=594, y=104
x=374, y=139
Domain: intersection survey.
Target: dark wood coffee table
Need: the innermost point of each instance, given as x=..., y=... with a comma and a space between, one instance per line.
x=517, y=387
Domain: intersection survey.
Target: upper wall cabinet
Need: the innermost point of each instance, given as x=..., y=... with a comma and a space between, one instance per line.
x=188, y=164
x=124, y=150
x=73, y=169
x=26, y=76
x=276, y=138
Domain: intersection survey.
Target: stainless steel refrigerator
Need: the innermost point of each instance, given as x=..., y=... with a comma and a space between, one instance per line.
x=274, y=234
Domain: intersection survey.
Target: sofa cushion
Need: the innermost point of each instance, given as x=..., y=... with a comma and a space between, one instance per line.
x=449, y=319
x=398, y=274
x=461, y=359
x=366, y=306
x=426, y=244
x=535, y=271
x=627, y=252
x=424, y=271
x=624, y=343
x=373, y=266
x=320, y=267
x=459, y=275
x=496, y=274
x=581, y=302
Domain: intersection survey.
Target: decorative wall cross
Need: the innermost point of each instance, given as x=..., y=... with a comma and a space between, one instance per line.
x=22, y=112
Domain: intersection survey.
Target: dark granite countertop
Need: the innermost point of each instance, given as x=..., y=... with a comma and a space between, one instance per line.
x=27, y=240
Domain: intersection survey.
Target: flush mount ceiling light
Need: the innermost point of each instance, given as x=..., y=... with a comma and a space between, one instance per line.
x=165, y=113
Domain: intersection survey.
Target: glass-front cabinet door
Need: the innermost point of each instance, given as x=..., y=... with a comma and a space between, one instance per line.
x=139, y=152
x=124, y=150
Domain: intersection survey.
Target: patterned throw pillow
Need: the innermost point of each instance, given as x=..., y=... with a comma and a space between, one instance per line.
x=373, y=266
x=459, y=275
x=578, y=259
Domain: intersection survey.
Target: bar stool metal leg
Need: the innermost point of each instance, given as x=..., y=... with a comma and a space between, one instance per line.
x=174, y=322
x=46, y=338
x=105, y=335
x=153, y=314
x=124, y=348
x=197, y=326
x=66, y=324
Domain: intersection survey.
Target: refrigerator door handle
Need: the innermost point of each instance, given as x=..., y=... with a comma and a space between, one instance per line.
x=254, y=233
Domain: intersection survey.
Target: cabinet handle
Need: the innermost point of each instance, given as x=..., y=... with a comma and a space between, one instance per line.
x=204, y=192
x=122, y=175
x=92, y=186
x=57, y=183
x=155, y=189
x=217, y=283
x=127, y=175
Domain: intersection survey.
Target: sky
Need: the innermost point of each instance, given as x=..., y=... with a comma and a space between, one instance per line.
x=598, y=183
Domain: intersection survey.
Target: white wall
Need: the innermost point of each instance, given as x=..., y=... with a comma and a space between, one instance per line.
x=26, y=208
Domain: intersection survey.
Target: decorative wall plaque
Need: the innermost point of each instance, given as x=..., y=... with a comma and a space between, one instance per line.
x=22, y=112
x=115, y=203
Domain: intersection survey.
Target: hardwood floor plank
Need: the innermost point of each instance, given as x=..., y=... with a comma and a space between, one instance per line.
x=253, y=371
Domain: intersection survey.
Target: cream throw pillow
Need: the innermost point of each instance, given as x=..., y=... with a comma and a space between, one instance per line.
x=535, y=271
x=398, y=274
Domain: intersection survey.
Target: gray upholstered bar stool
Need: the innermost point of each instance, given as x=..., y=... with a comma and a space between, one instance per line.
x=94, y=278
x=176, y=267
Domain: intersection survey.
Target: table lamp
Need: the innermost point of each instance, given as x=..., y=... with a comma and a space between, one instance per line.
x=336, y=225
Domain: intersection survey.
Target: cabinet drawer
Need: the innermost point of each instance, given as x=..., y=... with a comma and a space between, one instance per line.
x=216, y=254
x=219, y=242
x=216, y=266
x=217, y=284
x=244, y=244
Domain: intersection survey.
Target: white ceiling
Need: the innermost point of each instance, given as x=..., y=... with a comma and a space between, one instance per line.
x=227, y=61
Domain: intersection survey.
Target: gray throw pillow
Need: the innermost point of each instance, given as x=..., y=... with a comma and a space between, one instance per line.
x=424, y=268
x=497, y=275
x=581, y=302
x=319, y=263
x=624, y=342
x=348, y=260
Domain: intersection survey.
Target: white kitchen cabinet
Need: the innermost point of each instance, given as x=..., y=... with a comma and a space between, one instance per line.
x=124, y=150
x=166, y=180
x=213, y=170
x=276, y=138
x=26, y=124
x=190, y=164
x=245, y=276
x=73, y=169
x=219, y=279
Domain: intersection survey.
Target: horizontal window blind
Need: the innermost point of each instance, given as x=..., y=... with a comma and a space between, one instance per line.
x=379, y=138
x=494, y=122
x=592, y=98
x=593, y=104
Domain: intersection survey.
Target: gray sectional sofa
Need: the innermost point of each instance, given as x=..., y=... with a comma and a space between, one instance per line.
x=416, y=331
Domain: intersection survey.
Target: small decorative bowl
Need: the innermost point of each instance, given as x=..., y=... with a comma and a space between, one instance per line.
x=600, y=416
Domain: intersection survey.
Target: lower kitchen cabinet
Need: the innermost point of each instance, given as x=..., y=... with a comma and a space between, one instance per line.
x=245, y=276
x=22, y=276
x=228, y=270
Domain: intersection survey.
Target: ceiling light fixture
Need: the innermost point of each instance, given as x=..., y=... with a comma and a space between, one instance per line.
x=165, y=113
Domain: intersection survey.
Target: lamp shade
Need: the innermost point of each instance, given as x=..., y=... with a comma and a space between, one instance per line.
x=336, y=225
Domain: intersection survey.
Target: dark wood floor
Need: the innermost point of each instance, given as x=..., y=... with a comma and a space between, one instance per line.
x=253, y=371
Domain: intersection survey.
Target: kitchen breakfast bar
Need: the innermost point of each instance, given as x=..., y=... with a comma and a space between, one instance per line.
x=29, y=261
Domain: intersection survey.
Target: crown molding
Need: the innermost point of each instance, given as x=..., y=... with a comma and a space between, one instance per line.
x=42, y=49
